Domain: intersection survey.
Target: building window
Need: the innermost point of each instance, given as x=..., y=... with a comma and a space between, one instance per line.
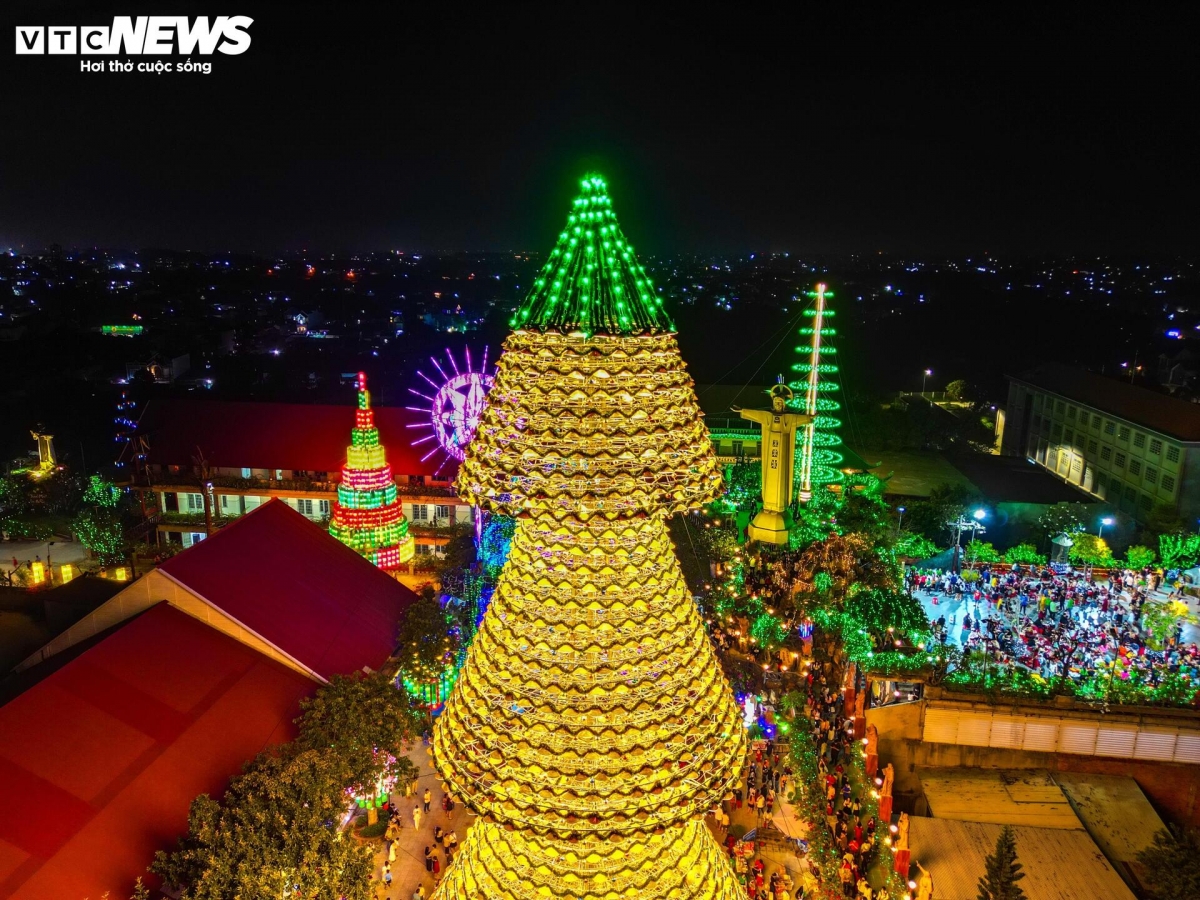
x=1123, y=433
x=1151, y=475
x=1058, y=407
x=245, y=472
x=324, y=508
x=1056, y=432
x=442, y=512
x=1146, y=502
x=195, y=502
x=1069, y=435
x=1120, y=460
x=1106, y=453
x=1091, y=446
x=1135, y=467
x=1070, y=412
x=1096, y=421
x=424, y=550
x=1168, y=483
x=304, y=507
x=1156, y=447
x=1130, y=492
x=737, y=448
x=1139, y=440
x=420, y=512
x=1172, y=454
x=1109, y=427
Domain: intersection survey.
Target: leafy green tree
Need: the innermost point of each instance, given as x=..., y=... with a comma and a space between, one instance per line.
x=877, y=610
x=915, y=546
x=956, y=390
x=1002, y=871
x=1179, y=550
x=1025, y=554
x=1172, y=863
x=425, y=645
x=274, y=834
x=1139, y=556
x=366, y=721
x=1063, y=518
x=1090, y=550
x=981, y=552
x=1161, y=618
x=1163, y=519
x=101, y=493
x=140, y=891
x=99, y=529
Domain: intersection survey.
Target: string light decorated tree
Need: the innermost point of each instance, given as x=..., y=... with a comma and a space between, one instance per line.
x=367, y=515
x=591, y=726
x=817, y=446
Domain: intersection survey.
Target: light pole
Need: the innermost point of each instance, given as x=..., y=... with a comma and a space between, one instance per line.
x=925, y=375
x=899, y=509
x=975, y=523
x=1107, y=520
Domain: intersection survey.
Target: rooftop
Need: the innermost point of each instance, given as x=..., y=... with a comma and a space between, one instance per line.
x=287, y=580
x=1058, y=864
x=998, y=796
x=1139, y=405
x=294, y=436
x=100, y=760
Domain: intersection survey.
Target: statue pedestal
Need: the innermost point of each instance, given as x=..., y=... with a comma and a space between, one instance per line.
x=872, y=765
x=903, y=861
x=885, y=811
x=769, y=527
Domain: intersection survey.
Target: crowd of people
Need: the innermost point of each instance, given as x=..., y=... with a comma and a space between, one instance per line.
x=854, y=830
x=1055, y=624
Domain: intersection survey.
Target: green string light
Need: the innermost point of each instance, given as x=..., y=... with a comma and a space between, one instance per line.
x=591, y=281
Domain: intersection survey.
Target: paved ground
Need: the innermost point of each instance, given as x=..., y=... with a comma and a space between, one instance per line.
x=408, y=871
x=949, y=606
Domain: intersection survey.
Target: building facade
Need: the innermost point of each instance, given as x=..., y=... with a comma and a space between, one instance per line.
x=1128, y=446
x=209, y=462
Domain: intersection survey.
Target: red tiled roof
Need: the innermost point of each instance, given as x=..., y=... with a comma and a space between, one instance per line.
x=289, y=581
x=1141, y=406
x=100, y=760
x=281, y=436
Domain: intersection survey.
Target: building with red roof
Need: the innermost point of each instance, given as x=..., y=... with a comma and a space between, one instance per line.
x=251, y=452
x=166, y=689
x=100, y=760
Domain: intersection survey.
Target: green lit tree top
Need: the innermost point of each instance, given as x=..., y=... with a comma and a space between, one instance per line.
x=592, y=281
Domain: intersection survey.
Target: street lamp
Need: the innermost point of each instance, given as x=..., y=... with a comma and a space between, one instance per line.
x=1107, y=520
x=961, y=525
x=899, y=509
x=925, y=375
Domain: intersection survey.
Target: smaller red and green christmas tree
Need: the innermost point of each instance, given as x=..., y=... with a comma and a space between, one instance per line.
x=367, y=515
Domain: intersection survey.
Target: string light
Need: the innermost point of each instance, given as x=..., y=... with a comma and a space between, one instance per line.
x=367, y=515
x=817, y=454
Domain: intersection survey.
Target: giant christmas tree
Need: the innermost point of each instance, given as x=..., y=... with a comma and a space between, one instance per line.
x=591, y=727
x=366, y=515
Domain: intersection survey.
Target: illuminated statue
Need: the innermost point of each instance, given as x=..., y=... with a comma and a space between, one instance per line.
x=591, y=728
x=924, y=884
x=889, y=774
x=902, y=833
x=778, y=459
x=872, y=741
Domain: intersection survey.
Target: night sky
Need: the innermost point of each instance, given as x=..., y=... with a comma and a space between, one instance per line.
x=422, y=127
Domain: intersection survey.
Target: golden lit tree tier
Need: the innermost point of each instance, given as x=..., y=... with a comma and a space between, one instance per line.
x=580, y=425
x=614, y=719
x=681, y=863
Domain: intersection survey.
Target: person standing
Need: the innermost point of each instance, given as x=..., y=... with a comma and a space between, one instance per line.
x=427, y=799
x=417, y=817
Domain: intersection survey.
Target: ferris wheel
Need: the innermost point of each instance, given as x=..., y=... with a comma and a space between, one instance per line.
x=455, y=405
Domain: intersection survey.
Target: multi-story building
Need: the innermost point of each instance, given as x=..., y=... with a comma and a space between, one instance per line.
x=210, y=461
x=1129, y=446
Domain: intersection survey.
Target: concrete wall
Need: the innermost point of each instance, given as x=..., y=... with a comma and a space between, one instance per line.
x=1173, y=788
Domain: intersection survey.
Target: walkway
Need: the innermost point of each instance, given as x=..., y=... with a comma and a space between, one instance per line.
x=408, y=871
